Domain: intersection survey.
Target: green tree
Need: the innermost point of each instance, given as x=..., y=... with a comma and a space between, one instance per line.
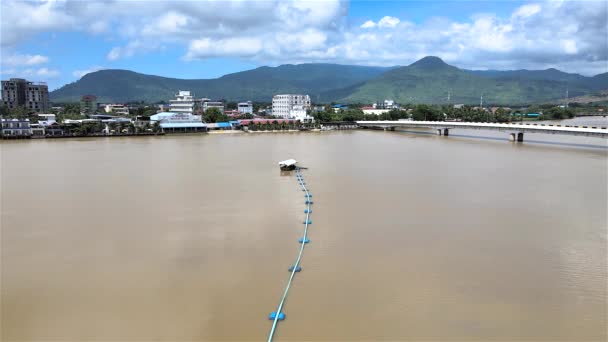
x=426, y=113
x=19, y=112
x=215, y=115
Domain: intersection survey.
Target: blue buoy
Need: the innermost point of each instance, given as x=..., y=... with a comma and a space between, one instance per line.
x=306, y=211
x=307, y=222
x=308, y=202
x=298, y=269
x=303, y=240
x=308, y=195
x=273, y=315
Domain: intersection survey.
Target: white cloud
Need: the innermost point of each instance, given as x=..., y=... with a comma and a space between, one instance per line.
x=205, y=47
x=368, y=24
x=388, y=22
x=80, y=73
x=24, y=60
x=32, y=73
x=563, y=34
x=527, y=10
x=132, y=48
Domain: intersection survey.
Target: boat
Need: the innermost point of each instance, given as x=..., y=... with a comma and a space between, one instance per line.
x=288, y=165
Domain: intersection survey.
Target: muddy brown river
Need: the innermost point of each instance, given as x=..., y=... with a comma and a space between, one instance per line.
x=414, y=237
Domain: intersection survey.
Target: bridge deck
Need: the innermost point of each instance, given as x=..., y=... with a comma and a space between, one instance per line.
x=515, y=127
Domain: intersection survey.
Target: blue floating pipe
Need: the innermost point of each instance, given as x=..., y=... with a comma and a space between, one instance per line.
x=273, y=315
x=303, y=240
x=298, y=269
x=307, y=222
x=307, y=211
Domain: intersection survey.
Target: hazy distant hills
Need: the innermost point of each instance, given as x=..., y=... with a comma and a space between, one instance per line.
x=258, y=84
x=428, y=80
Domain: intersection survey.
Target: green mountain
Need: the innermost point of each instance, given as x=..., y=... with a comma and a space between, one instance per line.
x=259, y=84
x=430, y=79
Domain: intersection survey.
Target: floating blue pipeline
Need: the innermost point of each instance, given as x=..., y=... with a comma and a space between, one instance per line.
x=278, y=315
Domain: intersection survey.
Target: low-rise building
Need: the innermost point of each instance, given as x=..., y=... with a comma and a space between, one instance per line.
x=47, y=119
x=16, y=128
x=245, y=107
x=172, y=122
x=233, y=113
x=208, y=104
x=371, y=110
x=339, y=107
x=118, y=109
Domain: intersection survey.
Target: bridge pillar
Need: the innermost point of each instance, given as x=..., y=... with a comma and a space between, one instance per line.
x=446, y=132
x=519, y=137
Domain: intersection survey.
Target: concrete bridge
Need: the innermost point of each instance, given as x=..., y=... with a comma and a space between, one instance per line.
x=515, y=130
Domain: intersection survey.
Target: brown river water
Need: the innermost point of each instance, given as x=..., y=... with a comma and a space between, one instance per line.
x=413, y=237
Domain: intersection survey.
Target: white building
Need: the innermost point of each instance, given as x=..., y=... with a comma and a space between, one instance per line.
x=290, y=106
x=47, y=119
x=184, y=102
x=16, y=127
x=118, y=109
x=208, y=104
x=179, y=122
x=245, y=107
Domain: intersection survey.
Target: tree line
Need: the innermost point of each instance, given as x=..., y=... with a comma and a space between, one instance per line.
x=423, y=112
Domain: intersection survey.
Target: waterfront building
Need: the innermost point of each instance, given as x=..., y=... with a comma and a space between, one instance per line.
x=47, y=119
x=233, y=113
x=245, y=107
x=290, y=106
x=248, y=122
x=172, y=122
x=318, y=109
x=184, y=102
x=373, y=110
x=18, y=92
x=208, y=104
x=88, y=104
x=339, y=107
x=224, y=126
x=17, y=128
x=118, y=109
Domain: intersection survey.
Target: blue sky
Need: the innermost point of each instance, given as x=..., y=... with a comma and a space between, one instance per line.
x=59, y=41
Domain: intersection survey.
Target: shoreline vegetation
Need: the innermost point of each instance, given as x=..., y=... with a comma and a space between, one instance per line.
x=328, y=117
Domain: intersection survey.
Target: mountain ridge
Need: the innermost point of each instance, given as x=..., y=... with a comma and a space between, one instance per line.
x=428, y=80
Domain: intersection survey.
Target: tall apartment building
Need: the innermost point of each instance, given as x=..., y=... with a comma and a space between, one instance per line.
x=88, y=104
x=18, y=92
x=290, y=106
x=184, y=102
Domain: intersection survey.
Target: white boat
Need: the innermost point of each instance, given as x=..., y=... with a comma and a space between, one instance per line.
x=287, y=165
